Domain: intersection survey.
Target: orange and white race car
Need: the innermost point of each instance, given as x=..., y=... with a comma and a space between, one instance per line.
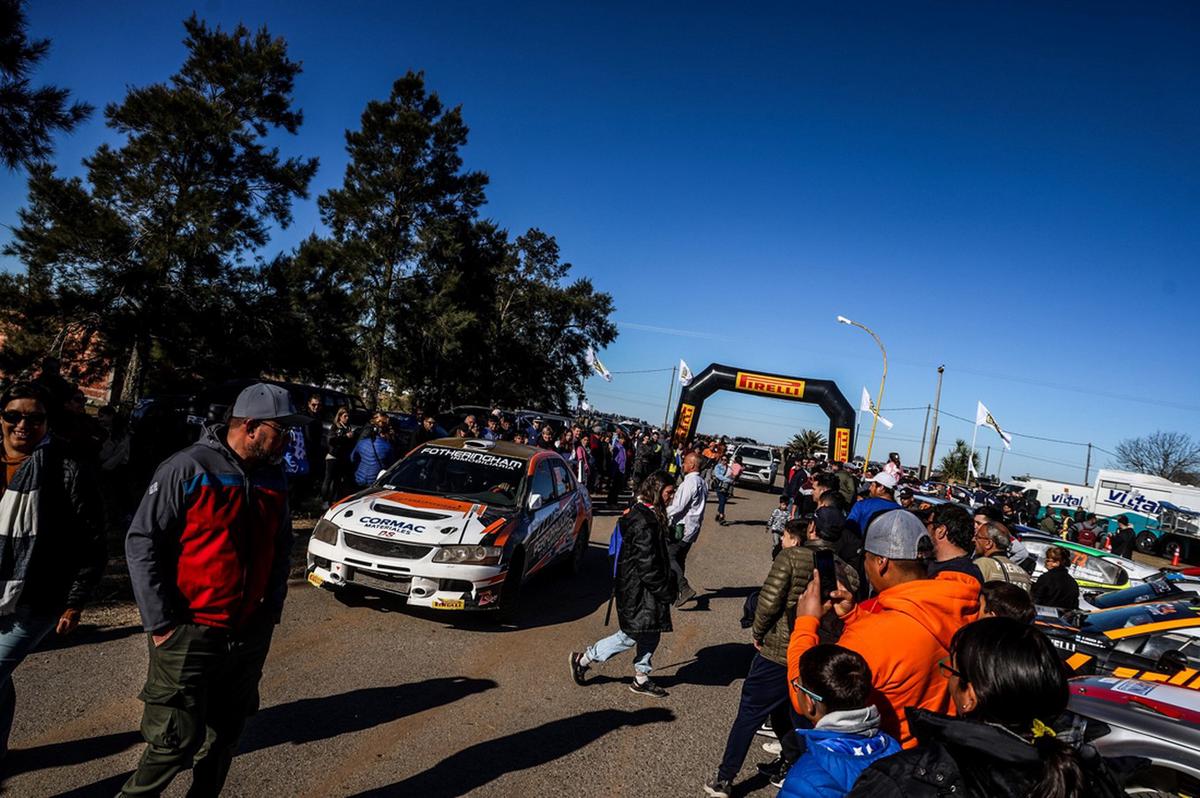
x=458, y=524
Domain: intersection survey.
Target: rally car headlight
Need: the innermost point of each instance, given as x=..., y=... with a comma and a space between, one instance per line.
x=326, y=532
x=472, y=555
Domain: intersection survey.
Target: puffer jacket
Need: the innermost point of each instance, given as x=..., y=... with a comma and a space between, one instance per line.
x=969, y=759
x=776, y=610
x=644, y=589
x=836, y=752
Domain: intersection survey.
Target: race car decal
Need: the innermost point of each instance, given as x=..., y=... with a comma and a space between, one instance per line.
x=427, y=502
x=1146, y=628
x=543, y=538
x=477, y=458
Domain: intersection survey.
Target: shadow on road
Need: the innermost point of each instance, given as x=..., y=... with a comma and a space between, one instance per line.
x=552, y=596
x=310, y=719
x=304, y=721
x=483, y=763
x=72, y=752
x=701, y=602
x=87, y=635
x=714, y=666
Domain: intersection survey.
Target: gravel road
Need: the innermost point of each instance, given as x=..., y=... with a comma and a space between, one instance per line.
x=363, y=697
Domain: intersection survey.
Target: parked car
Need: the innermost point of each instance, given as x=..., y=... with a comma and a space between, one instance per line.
x=1127, y=717
x=1092, y=568
x=1161, y=587
x=1156, y=641
x=458, y=524
x=759, y=464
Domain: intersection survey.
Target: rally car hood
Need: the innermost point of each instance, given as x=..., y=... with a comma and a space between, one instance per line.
x=417, y=518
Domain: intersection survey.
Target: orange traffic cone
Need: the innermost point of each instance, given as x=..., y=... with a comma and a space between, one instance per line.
x=1175, y=557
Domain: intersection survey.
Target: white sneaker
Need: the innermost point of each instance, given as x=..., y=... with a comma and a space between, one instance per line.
x=774, y=748
x=765, y=730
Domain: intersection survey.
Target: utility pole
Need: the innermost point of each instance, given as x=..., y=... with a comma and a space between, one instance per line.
x=1088, y=468
x=936, y=401
x=670, y=393
x=986, y=459
x=854, y=453
x=921, y=451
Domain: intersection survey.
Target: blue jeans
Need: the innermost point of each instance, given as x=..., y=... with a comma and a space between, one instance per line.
x=614, y=644
x=722, y=497
x=19, y=635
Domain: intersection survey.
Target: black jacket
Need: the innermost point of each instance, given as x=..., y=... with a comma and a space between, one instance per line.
x=969, y=759
x=1056, y=588
x=69, y=553
x=644, y=588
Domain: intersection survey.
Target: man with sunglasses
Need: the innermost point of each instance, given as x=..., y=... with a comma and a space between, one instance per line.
x=208, y=552
x=51, y=537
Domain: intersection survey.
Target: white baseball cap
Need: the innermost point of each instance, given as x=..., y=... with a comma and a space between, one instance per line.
x=885, y=479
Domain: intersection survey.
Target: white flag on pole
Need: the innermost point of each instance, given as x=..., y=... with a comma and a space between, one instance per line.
x=685, y=374
x=595, y=363
x=971, y=466
x=984, y=418
x=867, y=406
x=583, y=405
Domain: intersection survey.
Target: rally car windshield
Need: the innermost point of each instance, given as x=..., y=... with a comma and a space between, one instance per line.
x=459, y=474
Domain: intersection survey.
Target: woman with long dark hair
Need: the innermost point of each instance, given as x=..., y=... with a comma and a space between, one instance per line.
x=643, y=587
x=1008, y=686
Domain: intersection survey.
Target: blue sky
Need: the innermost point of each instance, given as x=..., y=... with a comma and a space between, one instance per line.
x=1011, y=189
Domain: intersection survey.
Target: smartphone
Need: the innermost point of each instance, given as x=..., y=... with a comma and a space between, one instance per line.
x=823, y=560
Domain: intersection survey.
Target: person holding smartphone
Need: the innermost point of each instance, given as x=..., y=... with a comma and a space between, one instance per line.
x=907, y=630
x=765, y=689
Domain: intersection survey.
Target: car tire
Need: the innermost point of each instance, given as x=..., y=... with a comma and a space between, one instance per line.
x=510, y=590
x=1146, y=543
x=579, y=550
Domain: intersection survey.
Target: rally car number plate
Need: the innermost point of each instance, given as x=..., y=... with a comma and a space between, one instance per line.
x=449, y=604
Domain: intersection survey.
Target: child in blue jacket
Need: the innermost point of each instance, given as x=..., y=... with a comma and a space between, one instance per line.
x=835, y=688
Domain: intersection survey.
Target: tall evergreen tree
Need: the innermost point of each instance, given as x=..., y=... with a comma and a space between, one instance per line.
x=29, y=116
x=153, y=248
x=404, y=197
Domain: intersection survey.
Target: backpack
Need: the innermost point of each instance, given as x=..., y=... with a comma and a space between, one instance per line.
x=614, y=547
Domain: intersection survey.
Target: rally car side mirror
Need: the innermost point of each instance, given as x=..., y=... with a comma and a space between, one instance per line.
x=535, y=501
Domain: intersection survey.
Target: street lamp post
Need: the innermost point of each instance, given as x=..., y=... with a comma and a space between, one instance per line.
x=882, y=380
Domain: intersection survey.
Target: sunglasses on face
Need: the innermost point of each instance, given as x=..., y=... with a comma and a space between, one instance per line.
x=15, y=417
x=799, y=688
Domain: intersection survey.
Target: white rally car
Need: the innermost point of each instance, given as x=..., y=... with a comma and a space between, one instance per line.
x=458, y=524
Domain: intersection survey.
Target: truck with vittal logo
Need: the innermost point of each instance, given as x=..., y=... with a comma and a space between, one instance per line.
x=1163, y=512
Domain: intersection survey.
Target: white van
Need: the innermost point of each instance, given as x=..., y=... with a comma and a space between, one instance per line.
x=759, y=464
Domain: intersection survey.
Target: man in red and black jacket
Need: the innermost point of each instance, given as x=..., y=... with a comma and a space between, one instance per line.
x=208, y=553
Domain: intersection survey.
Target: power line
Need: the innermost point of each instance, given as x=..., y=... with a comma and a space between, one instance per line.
x=644, y=371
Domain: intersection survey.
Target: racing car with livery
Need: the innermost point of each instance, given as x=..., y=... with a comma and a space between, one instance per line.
x=457, y=524
x=1131, y=717
x=1093, y=569
x=1156, y=642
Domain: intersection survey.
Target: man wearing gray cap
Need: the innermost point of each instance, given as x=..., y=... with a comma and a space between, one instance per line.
x=906, y=632
x=208, y=554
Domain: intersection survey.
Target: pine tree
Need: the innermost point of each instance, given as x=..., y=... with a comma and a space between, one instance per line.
x=152, y=249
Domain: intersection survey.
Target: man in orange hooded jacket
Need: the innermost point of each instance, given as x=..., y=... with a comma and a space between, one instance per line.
x=907, y=628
